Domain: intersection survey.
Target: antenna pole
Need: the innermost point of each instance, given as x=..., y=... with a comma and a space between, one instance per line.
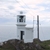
x=33, y=26
x=38, y=26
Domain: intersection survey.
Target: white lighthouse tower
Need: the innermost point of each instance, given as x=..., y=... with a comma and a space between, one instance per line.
x=23, y=32
x=21, y=23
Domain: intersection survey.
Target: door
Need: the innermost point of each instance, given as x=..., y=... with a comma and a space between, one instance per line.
x=22, y=33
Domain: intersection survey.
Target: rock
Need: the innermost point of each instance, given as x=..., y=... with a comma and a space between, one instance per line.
x=1, y=44
x=20, y=45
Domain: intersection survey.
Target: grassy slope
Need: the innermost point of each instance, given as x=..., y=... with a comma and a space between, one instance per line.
x=7, y=46
x=46, y=44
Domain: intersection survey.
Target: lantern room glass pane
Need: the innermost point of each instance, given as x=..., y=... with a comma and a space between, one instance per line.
x=21, y=18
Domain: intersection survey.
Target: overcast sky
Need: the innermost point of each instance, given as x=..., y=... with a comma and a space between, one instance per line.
x=10, y=8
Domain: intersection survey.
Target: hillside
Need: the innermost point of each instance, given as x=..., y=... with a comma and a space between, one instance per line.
x=46, y=44
x=15, y=44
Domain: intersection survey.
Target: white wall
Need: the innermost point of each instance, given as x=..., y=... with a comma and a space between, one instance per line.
x=28, y=35
x=19, y=29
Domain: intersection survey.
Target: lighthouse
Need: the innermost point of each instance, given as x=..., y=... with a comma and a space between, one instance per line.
x=23, y=32
x=21, y=23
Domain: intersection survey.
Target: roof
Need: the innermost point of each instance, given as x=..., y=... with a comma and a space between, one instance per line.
x=30, y=27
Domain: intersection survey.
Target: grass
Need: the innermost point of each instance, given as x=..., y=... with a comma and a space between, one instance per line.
x=7, y=46
x=46, y=44
x=7, y=49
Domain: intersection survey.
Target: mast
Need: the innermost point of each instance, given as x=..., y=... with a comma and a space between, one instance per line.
x=38, y=26
x=33, y=26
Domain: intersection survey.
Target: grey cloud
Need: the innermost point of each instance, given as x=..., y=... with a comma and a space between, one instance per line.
x=26, y=6
x=4, y=12
x=10, y=7
x=7, y=13
x=9, y=1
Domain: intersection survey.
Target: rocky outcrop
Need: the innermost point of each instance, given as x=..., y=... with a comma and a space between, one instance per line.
x=20, y=45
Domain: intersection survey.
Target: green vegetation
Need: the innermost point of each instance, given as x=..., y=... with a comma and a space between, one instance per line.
x=6, y=49
x=7, y=46
x=45, y=45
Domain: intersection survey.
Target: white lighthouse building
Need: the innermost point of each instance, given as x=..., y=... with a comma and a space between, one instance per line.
x=23, y=32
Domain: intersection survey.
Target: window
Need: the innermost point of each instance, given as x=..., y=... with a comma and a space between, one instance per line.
x=21, y=19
